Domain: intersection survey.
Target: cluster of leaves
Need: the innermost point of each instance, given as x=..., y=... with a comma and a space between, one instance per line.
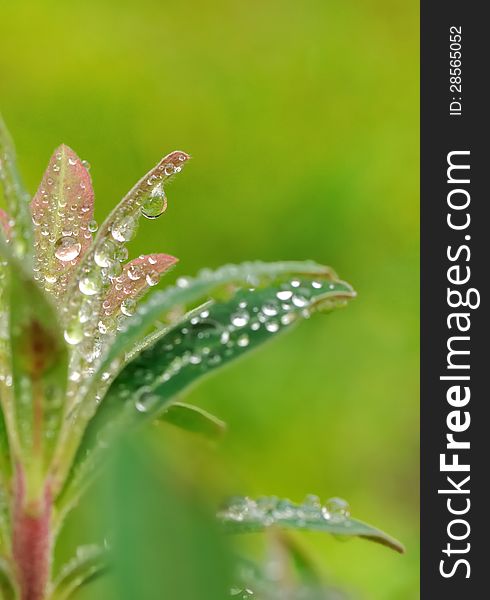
x=82, y=359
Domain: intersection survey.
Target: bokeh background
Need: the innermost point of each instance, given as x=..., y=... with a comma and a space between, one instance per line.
x=302, y=120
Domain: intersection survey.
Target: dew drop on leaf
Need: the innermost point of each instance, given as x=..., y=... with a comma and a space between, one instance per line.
x=128, y=307
x=67, y=248
x=88, y=285
x=152, y=278
x=240, y=318
x=338, y=509
x=92, y=226
x=73, y=334
x=154, y=206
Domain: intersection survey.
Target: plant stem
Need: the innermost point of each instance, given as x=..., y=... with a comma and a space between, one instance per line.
x=31, y=542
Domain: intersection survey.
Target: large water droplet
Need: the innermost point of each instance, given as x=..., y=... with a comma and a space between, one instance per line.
x=338, y=509
x=67, y=248
x=89, y=285
x=155, y=204
x=73, y=334
x=104, y=254
x=124, y=229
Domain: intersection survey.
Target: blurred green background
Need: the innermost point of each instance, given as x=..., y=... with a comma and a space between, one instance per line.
x=302, y=120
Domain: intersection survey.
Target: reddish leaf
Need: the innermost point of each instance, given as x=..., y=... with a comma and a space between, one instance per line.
x=137, y=276
x=5, y=223
x=61, y=212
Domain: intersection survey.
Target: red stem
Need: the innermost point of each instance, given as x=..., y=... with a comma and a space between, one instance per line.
x=31, y=541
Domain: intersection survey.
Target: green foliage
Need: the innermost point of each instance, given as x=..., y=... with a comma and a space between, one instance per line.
x=83, y=362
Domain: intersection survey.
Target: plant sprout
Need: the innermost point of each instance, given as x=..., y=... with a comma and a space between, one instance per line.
x=83, y=360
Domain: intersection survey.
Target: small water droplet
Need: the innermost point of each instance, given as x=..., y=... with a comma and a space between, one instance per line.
x=92, y=226
x=272, y=326
x=270, y=309
x=146, y=401
x=243, y=341
x=134, y=272
x=240, y=318
x=128, y=307
x=67, y=248
x=300, y=301
x=183, y=282
x=152, y=278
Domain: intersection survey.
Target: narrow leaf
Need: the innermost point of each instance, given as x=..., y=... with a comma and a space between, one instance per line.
x=136, y=278
x=189, y=292
x=16, y=197
x=194, y=419
x=62, y=211
x=208, y=338
x=39, y=364
x=101, y=265
x=244, y=515
x=89, y=563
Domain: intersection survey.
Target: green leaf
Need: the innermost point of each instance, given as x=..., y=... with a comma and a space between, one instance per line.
x=194, y=419
x=16, y=197
x=207, y=339
x=190, y=291
x=89, y=563
x=166, y=542
x=39, y=367
x=7, y=590
x=244, y=515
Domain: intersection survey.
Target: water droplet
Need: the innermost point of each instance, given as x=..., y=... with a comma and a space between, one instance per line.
x=270, y=309
x=92, y=226
x=338, y=509
x=146, y=401
x=73, y=334
x=152, y=278
x=300, y=301
x=124, y=229
x=183, y=282
x=243, y=341
x=89, y=285
x=121, y=254
x=128, y=307
x=284, y=295
x=67, y=248
x=134, y=272
x=316, y=284
x=240, y=318
x=86, y=164
x=272, y=326
x=104, y=254
x=156, y=203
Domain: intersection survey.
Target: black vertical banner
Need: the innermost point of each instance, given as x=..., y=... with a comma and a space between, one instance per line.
x=455, y=267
